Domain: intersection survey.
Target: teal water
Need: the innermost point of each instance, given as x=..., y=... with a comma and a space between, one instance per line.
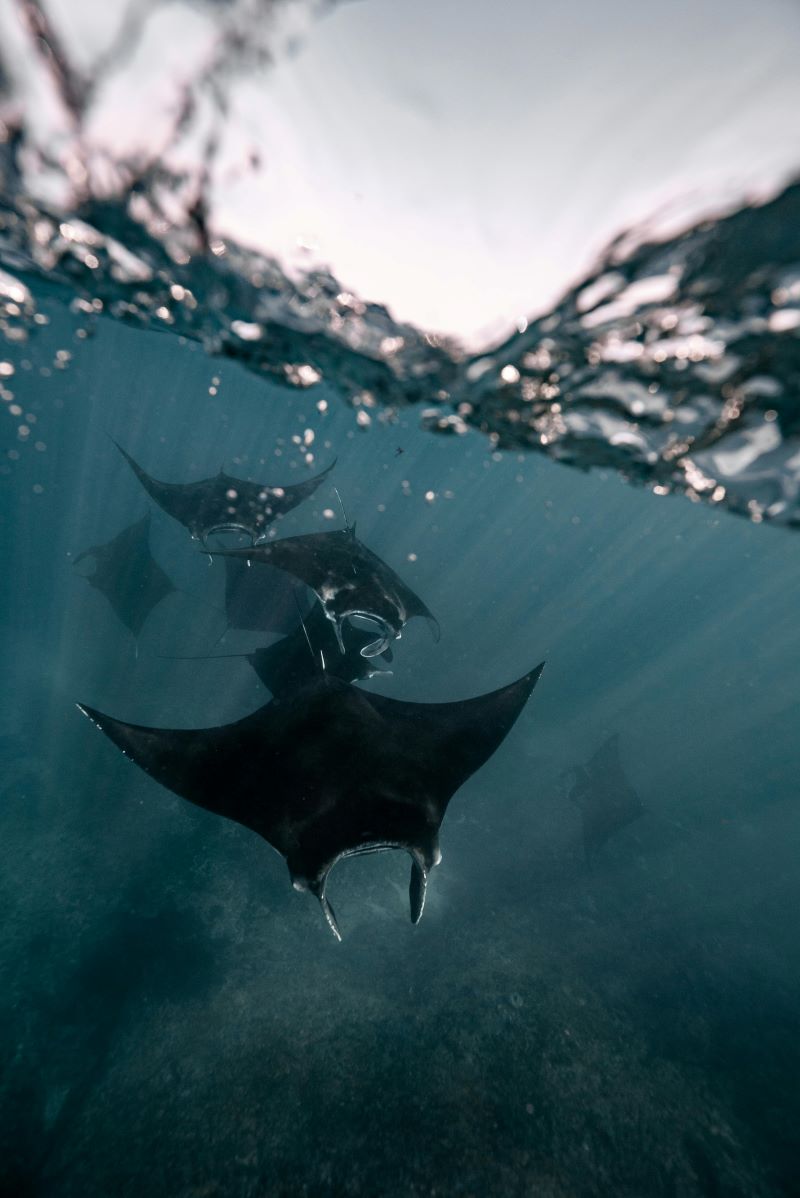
x=176, y=1020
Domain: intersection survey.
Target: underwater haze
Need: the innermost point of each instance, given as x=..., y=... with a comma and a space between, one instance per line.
x=601, y=997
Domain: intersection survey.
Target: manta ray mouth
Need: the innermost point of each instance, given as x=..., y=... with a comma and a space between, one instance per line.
x=417, y=886
x=234, y=527
x=387, y=634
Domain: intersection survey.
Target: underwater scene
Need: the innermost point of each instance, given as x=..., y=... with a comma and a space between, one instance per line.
x=400, y=477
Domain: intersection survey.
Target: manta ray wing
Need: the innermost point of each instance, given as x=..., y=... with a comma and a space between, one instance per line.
x=219, y=769
x=453, y=740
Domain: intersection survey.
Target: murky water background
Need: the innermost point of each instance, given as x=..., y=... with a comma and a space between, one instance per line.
x=174, y=1018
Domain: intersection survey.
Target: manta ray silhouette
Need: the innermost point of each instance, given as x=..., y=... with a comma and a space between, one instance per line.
x=224, y=503
x=293, y=661
x=332, y=772
x=347, y=578
x=310, y=648
x=128, y=575
x=604, y=795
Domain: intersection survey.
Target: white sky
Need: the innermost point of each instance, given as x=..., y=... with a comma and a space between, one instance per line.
x=463, y=160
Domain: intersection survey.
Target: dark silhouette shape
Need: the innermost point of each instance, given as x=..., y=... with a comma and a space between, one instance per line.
x=604, y=795
x=347, y=578
x=224, y=503
x=310, y=650
x=332, y=771
x=128, y=575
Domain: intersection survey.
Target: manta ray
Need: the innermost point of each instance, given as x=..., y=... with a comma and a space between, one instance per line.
x=296, y=659
x=332, y=771
x=604, y=795
x=224, y=503
x=347, y=578
x=126, y=572
x=311, y=647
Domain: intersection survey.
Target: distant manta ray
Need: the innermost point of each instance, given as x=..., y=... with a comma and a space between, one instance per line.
x=332, y=772
x=347, y=578
x=604, y=795
x=128, y=575
x=224, y=503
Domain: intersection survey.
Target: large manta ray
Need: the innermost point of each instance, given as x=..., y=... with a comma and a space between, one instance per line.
x=224, y=503
x=604, y=795
x=126, y=572
x=297, y=659
x=332, y=771
x=347, y=578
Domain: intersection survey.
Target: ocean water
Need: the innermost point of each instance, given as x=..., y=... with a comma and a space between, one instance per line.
x=175, y=1020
